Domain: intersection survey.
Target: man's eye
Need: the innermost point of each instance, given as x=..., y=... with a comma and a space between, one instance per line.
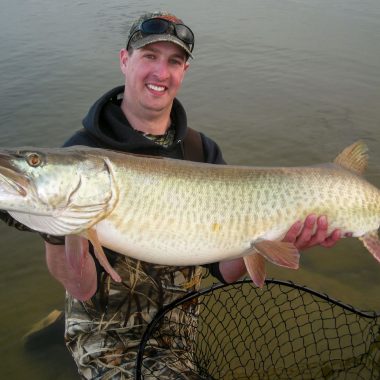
x=176, y=62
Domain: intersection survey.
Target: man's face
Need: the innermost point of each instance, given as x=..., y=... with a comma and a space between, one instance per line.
x=153, y=76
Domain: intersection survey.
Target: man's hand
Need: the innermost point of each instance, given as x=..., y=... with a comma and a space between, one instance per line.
x=312, y=232
x=307, y=234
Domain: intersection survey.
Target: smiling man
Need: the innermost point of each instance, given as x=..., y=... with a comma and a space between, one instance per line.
x=105, y=320
x=153, y=75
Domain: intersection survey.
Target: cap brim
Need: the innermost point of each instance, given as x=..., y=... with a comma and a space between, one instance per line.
x=159, y=38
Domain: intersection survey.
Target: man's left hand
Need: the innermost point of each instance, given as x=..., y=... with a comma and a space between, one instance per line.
x=312, y=232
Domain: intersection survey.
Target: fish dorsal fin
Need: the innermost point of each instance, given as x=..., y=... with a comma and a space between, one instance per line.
x=354, y=157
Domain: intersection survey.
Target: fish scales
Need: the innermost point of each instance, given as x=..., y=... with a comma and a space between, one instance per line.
x=174, y=210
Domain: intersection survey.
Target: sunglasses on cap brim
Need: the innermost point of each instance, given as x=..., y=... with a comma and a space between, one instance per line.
x=162, y=26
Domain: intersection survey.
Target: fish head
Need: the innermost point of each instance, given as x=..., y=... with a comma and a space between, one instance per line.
x=56, y=191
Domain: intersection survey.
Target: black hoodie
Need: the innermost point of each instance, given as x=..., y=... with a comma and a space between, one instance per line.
x=105, y=126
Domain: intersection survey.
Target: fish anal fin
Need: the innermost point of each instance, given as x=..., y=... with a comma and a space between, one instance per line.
x=279, y=253
x=101, y=256
x=255, y=265
x=354, y=157
x=372, y=242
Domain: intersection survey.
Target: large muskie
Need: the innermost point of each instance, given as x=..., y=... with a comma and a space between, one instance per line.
x=174, y=212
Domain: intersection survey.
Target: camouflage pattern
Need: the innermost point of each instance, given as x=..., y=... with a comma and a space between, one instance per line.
x=104, y=333
x=137, y=39
x=164, y=140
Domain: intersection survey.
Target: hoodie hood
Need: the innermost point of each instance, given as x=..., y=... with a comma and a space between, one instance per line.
x=107, y=123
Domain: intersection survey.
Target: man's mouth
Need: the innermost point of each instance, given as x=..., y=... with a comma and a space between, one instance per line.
x=155, y=87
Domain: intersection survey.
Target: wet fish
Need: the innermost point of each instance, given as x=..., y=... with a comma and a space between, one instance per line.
x=174, y=212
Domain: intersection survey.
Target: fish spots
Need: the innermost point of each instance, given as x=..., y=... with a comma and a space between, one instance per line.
x=216, y=227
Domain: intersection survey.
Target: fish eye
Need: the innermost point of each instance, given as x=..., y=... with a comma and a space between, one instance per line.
x=34, y=160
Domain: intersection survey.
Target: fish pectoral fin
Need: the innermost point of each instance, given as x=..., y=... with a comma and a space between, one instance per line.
x=76, y=249
x=101, y=256
x=372, y=242
x=255, y=265
x=279, y=253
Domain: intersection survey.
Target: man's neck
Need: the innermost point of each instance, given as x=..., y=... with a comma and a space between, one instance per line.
x=153, y=124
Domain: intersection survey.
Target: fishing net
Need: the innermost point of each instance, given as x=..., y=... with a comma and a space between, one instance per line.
x=238, y=331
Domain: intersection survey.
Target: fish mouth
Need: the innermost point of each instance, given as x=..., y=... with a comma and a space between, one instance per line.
x=11, y=180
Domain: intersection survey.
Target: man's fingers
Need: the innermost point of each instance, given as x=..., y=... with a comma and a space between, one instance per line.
x=332, y=239
x=320, y=234
x=293, y=232
x=312, y=232
x=306, y=232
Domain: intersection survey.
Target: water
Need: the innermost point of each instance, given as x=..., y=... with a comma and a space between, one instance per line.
x=283, y=82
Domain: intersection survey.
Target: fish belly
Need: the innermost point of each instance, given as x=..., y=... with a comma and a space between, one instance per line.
x=169, y=246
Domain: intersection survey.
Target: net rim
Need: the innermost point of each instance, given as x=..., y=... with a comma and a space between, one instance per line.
x=270, y=281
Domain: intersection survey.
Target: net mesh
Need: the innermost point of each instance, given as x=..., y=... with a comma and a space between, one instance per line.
x=238, y=331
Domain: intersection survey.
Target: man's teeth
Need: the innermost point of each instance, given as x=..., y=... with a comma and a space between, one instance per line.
x=156, y=88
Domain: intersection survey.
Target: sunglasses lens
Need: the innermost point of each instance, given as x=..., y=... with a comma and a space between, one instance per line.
x=154, y=26
x=184, y=33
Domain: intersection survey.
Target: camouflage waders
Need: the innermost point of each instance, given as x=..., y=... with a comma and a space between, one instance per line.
x=104, y=333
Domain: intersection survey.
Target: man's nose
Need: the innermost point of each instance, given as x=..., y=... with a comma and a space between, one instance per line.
x=162, y=70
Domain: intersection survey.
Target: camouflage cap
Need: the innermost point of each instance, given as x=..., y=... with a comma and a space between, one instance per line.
x=137, y=38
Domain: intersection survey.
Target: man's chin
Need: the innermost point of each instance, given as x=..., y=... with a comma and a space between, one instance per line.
x=158, y=107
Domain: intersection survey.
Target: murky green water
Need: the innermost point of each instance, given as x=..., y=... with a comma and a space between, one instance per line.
x=283, y=82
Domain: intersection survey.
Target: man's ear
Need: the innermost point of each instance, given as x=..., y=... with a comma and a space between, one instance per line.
x=186, y=67
x=123, y=59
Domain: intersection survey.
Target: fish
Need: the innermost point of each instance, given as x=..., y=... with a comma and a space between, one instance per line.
x=174, y=212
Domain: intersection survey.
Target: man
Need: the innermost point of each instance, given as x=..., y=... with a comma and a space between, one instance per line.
x=105, y=320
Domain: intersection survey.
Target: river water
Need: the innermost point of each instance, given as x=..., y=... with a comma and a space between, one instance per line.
x=275, y=82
